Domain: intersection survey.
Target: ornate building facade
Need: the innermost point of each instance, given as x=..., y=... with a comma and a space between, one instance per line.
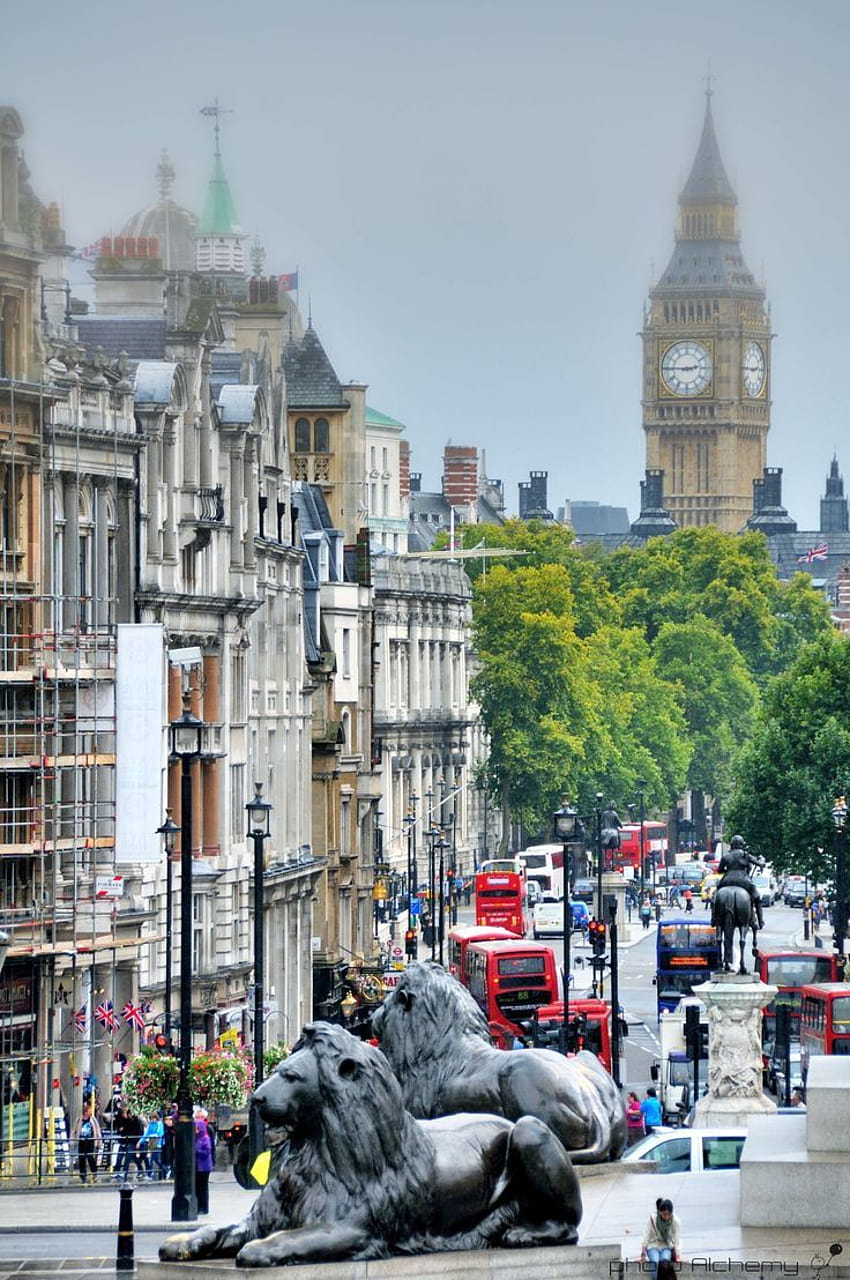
x=706, y=357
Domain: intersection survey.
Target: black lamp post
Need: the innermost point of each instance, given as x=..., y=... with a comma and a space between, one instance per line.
x=168, y=831
x=641, y=787
x=412, y=886
x=186, y=737
x=259, y=812
x=564, y=825
x=839, y=817
x=442, y=845
x=598, y=811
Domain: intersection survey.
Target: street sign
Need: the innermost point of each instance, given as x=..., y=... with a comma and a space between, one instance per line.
x=108, y=886
x=396, y=953
x=415, y=906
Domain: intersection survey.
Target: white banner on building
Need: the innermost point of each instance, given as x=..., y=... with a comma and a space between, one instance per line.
x=140, y=714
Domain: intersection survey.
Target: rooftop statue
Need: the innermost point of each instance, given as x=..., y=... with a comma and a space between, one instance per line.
x=438, y=1043
x=354, y=1176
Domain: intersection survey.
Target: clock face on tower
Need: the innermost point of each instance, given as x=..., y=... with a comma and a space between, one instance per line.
x=686, y=368
x=753, y=369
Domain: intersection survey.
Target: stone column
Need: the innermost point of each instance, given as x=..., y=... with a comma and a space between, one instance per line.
x=734, y=1003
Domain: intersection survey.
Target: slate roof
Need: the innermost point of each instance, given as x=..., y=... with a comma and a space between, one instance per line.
x=311, y=382
x=226, y=369
x=142, y=337
x=236, y=404
x=707, y=179
x=707, y=265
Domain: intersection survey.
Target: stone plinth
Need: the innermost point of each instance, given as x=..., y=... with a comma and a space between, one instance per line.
x=734, y=1004
x=828, y=1104
x=795, y=1170
x=574, y=1262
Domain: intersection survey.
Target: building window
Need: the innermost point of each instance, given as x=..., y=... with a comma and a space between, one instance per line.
x=302, y=435
x=321, y=436
x=237, y=801
x=346, y=652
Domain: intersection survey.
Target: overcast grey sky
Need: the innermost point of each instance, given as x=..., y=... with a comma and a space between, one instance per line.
x=478, y=193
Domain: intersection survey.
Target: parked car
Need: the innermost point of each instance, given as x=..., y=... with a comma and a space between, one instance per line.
x=548, y=916
x=689, y=1150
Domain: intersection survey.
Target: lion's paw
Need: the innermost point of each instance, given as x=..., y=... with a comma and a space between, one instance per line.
x=256, y=1254
x=187, y=1245
x=529, y=1237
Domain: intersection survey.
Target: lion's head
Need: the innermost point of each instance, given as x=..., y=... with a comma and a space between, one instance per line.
x=336, y=1097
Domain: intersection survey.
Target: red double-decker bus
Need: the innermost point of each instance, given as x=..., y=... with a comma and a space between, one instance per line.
x=627, y=857
x=590, y=1027
x=459, y=938
x=824, y=1021
x=501, y=898
x=509, y=980
x=790, y=971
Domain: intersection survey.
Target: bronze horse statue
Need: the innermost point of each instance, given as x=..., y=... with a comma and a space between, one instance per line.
x=736, y=904
x=733, y=909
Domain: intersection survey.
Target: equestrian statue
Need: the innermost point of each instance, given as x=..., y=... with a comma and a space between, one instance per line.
x=736, y=904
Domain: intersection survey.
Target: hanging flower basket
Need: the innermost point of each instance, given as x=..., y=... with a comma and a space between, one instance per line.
x=221, y=1077
x=150, y=1082
x=274, y=1055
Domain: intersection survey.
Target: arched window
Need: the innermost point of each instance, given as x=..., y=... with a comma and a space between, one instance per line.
x=302, y=435
x=321, y=436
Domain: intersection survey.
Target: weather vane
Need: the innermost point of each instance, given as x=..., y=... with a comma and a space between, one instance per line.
x=217, y=112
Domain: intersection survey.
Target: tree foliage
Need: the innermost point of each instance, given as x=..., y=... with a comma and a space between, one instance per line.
x=797, y=762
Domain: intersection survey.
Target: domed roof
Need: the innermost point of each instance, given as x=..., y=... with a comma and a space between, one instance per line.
x=173, y=226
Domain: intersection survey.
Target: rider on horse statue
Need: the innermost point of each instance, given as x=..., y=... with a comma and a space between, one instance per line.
x=735, y=867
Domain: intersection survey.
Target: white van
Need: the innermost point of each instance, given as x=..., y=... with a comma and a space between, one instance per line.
x=766, y=887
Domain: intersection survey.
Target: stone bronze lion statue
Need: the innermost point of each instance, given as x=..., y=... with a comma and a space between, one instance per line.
x=354, y=1176
x=438, y=1044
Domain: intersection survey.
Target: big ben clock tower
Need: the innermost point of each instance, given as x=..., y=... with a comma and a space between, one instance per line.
x=706, y=357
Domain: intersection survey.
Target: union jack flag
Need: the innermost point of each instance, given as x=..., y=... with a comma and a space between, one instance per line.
x=820, y=552
x=133, y=1013
x=106, y=1015
x=80, y=1020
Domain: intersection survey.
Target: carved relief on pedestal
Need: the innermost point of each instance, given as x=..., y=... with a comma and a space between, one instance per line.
x=735, y=1069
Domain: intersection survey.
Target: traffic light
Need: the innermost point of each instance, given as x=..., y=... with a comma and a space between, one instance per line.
x=161, y=1043
x=696, y=1034
x=596, y=931
x=410, y=944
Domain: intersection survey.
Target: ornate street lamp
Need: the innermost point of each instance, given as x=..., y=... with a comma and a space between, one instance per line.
x=564, y=823
x=442, y=845
x=259, y=813
x=186, y=741
x=168, y=831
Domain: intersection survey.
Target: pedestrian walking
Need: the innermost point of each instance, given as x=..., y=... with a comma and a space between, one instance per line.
x=661, y=1240
x=634, y=1120
x=152, y=1140
x=169, y=1120
x=129, y=1129
x=689, y=900
x=651, y=1110
x=88, y=1136
x=645, y=913
x=204, y=1160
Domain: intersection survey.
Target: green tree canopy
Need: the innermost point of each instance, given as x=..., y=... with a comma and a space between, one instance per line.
x=715, y=692
x=797, y=762
x=730, y=579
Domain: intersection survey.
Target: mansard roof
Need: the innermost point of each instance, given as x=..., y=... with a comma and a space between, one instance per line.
x=142, y=337
x=311, y=382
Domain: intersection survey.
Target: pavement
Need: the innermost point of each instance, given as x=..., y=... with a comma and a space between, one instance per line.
x=617, y=1203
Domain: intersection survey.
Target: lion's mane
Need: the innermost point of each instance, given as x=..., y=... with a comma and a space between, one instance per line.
x=434, y=1033
x=366, y=1156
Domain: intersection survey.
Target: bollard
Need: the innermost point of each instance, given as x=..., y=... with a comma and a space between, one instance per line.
x=124, y=1259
